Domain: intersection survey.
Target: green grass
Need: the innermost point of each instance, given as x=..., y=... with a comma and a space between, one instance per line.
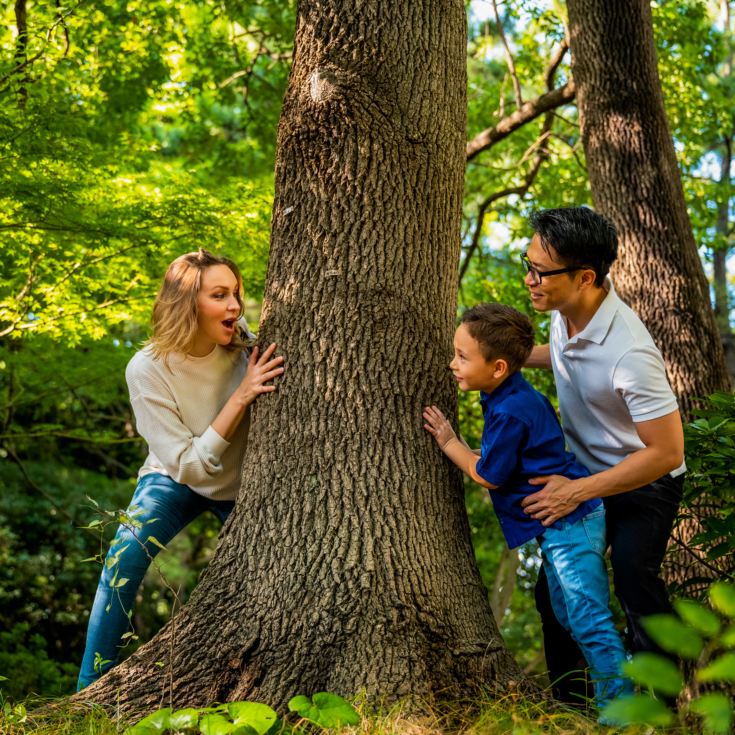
x=510, y=715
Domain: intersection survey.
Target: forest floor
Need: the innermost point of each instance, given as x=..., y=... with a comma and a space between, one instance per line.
x=510, y=716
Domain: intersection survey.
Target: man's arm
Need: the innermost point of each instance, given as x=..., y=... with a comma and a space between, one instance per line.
x=663, y=452
x=454, y=447
x=540, y=357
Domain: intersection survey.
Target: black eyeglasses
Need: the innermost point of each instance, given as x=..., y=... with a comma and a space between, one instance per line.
x=538, y=275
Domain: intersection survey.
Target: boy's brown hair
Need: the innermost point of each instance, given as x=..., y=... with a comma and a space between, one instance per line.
x=500, y=331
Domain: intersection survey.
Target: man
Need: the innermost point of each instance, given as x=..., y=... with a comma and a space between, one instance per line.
x=619, y=416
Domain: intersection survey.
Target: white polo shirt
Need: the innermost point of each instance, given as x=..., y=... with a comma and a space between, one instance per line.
x=608, y=377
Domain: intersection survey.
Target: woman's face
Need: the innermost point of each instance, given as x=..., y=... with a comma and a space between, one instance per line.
x=218, y=307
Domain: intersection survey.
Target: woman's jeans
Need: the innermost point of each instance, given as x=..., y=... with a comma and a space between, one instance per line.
x=574, y=562
x=160, y=508
x=639, y=524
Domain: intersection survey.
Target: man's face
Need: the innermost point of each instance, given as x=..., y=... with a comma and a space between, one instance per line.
x=470, y=368
x=554, y=292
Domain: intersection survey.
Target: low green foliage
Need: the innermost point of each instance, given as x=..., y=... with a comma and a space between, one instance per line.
x=697, y=633
x=487, y=714
x=46, y=590
x=709, y=495
x=323, y=710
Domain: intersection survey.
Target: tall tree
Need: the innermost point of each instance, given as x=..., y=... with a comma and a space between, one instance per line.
x=347, y=565
x=635, y=180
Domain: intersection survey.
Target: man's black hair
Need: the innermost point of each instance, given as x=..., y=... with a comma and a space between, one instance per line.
x=579, y=236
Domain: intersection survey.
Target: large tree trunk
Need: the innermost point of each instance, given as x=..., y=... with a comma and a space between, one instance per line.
x=347, y=564
x=720, y=256
x=635, y=181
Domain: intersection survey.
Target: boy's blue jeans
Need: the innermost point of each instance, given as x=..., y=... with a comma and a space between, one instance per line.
x=161, y=507
x=573, y=558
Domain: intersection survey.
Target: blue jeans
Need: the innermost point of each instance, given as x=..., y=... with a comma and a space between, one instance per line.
x=573, y=558
x=638, y=528
x=160, y=508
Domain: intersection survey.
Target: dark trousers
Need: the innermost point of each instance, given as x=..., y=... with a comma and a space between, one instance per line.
x=639, y=524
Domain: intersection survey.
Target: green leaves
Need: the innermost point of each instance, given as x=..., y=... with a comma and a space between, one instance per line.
x=246, y=718
x=215, y=724
x=721, y=669
x=236, y=718
x=722, y=596
x=704, y=621
x=673, y=635
x=637, y=709
x=259, y=717
x=654, y=672
x=697, y=634
x=156, y=722
x=326, y=710
x=716, y=711
x=184, y=719
x=710, y=453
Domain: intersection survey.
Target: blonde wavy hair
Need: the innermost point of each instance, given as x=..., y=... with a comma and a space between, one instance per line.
x=175, y=309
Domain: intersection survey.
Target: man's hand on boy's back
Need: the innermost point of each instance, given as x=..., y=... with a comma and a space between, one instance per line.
x=554, y=500
x=438, y=426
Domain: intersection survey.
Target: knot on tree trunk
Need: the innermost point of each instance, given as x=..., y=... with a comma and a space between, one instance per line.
x=323, y=86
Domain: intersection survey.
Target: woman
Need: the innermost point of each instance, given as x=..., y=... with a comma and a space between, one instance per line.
x=190, y=388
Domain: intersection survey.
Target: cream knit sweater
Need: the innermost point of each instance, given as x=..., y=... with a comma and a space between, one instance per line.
x=174, y=406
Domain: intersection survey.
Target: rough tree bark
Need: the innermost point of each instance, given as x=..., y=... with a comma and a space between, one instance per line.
x=719, y=259
x=347, y=564
x=635, y=181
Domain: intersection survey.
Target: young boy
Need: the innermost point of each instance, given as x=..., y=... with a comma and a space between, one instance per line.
x=522, y=438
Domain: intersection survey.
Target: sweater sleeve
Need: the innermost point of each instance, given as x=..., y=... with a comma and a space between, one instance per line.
x=188, y=459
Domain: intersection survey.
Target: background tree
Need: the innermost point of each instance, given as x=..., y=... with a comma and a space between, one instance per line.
x=347, y=565
x=635, y=181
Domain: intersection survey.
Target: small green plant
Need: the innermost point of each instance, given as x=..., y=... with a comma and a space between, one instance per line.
x=697, y=633
x=324, y=710
x=709, y=500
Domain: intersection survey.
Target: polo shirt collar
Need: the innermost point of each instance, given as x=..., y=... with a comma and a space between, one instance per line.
x=598, y=327
x=511, y=383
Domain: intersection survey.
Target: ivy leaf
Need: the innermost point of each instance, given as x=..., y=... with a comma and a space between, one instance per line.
x=727, y=639
x=673, y=635
x=698, y=616
x=326, y=710
x=184, y=718
x=655, y=672
x=215, y=724
x=157, y=721
x=716, y=710
x=722, y=596
x=244, y=730
x=260, y=717
x=141, y=730
x=721, y=669
x=299, y=704
x=636, y=709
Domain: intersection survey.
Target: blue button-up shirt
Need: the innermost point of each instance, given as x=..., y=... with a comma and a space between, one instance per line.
x=522, y=439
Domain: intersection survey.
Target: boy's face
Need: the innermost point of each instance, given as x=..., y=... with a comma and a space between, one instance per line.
x=471, y=370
